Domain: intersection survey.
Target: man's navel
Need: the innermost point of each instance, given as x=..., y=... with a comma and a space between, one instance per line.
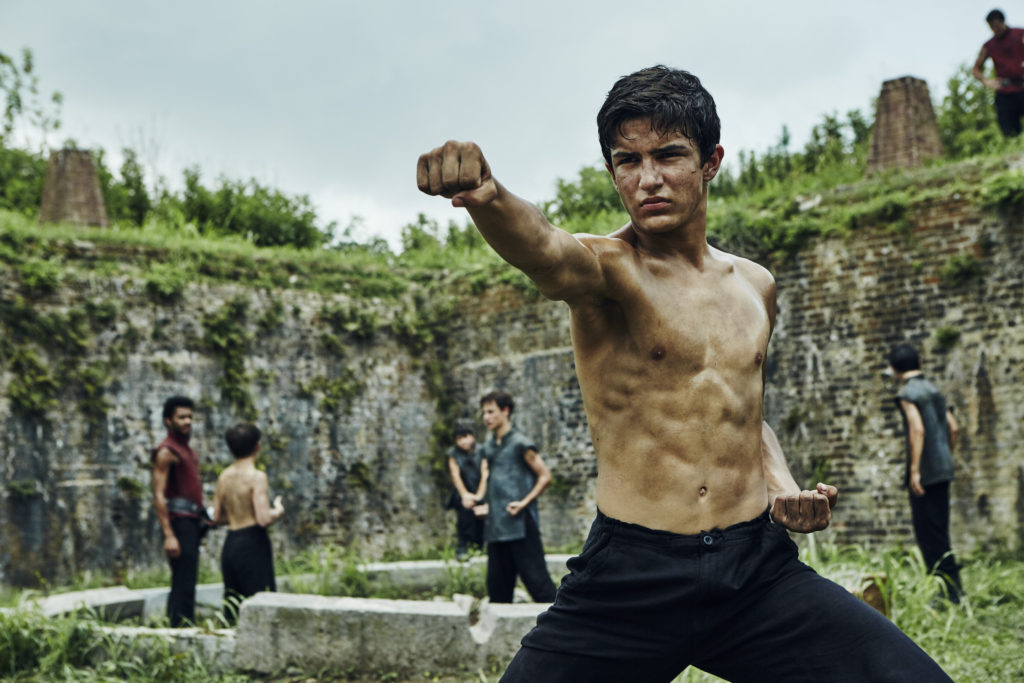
x=658, y=352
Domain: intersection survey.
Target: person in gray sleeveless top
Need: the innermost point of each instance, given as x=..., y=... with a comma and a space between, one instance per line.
x=931, y=433
x=514, y=475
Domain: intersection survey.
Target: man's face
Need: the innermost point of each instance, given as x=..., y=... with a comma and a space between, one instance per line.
x=181, y=421
x=659, y=176
x=998, y=27
x=494, y=417
x=465, y=441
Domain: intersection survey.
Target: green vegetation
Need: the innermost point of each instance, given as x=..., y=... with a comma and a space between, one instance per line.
x=946, y=338
x=976, y=641
x=959, y=270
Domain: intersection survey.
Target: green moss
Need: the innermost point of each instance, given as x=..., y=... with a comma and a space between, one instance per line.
x=165, y=282
x=960, y=270
x=359, y=322
x=132, y=488
x=360, y=477
x=225, y=335
x=23, y=489
x=1004, y=192
x=39, y=278
x=33, y=389
x=946, y=338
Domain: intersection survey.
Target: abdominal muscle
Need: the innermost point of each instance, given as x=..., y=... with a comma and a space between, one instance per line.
x=687, y=460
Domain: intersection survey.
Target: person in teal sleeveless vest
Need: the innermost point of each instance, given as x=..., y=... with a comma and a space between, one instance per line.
x=931, y=433
x=514, y=475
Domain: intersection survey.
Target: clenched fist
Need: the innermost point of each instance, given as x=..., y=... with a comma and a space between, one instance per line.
x=458, y=171
x=806, y=511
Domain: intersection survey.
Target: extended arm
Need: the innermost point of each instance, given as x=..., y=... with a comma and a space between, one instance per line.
x=161, y=471
x=265, y=515
x=536, y=464
x=561, y=266
x=915, y=435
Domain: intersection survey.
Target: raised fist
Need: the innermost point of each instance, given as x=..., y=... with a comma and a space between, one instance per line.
x=458, y=171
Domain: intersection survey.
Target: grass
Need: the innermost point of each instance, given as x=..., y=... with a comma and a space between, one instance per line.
x=976, y=641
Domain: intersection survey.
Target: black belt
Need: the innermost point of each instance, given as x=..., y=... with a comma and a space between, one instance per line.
x=184, y=506
x=1011, y=82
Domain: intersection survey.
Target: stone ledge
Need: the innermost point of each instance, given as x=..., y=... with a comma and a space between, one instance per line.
x=366, y=635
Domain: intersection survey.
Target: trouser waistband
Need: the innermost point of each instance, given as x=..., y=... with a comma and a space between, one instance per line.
x=638, y=532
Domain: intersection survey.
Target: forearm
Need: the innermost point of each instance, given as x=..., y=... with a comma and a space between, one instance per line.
x=538, y=488
x=162, y=515
x=916, y=449
x=778, y=479
x=517, y=230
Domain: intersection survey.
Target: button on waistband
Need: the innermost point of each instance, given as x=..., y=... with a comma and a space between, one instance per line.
x=708, y=540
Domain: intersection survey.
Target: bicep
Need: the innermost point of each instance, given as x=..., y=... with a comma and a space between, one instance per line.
x=575, y=271
x=914, y=422
x=162, y=469
x=535, y=462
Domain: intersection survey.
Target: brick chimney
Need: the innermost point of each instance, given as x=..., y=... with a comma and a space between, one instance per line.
x=905, y=132
x=72, y=190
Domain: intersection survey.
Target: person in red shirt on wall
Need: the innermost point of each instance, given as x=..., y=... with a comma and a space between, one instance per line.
x=1006, y=50
x=178, y=501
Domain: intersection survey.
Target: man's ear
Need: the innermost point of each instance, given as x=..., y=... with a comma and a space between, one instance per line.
x=713, y=164
x=167, y=422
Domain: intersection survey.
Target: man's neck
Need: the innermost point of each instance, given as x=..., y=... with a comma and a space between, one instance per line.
x=904, y=376
x=500, y=432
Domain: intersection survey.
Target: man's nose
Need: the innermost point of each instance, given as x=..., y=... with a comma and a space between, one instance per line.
x=650, y=176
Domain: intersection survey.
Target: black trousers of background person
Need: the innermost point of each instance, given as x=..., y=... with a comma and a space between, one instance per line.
x=930, y=514
x=525, y=558
x=247, y=563
x=1009, y=110
x=181, y=602
x=469, y=529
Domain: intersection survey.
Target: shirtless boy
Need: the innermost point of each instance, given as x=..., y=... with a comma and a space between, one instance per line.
x=688, y=560
x=242, y=502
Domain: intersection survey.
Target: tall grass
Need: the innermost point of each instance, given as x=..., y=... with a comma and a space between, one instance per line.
x=977, y=641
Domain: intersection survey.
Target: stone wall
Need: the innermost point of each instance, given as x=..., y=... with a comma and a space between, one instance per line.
x=365, y=475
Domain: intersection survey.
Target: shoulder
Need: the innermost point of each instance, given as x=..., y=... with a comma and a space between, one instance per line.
x=521, y=441
x=756, y=274
x=618, y=248
x=164, y=456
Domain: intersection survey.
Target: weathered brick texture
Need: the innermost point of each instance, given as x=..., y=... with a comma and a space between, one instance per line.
x=71, y=191
x=905, y=132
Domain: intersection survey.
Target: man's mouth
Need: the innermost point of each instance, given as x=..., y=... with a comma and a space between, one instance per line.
x=654, y=203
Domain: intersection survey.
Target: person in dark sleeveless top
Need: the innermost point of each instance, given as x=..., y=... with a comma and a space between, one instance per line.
x=1006, y=50
x=178, y=501
x=467, y=490
x=931, y=433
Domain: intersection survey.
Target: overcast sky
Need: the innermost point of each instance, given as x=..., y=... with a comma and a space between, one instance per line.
x=337, y=99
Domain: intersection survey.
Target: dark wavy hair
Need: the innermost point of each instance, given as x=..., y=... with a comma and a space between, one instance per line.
x=242, y=438
x=175, y=402
x=674, y=100
x=501, y=399
x=904, y=358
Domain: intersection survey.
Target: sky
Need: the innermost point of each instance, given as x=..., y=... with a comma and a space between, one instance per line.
x=336, y=99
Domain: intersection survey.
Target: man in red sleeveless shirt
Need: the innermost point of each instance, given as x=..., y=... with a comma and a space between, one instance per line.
x=178, y=500
x=1006, y=49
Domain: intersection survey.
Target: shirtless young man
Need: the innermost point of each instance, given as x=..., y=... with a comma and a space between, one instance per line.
x=683, y=564
x=242, y=502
